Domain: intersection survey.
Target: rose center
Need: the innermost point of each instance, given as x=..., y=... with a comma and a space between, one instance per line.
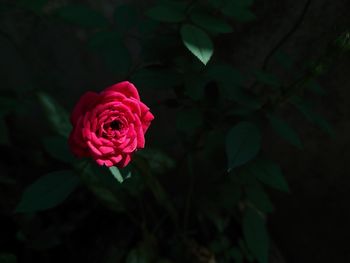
x=115, y=125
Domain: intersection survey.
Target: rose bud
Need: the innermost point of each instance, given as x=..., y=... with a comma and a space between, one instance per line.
x=110, y=126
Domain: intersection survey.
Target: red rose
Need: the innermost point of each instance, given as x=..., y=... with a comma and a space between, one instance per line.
x=110, y=126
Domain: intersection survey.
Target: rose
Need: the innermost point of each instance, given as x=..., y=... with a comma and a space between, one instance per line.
x=110, y=126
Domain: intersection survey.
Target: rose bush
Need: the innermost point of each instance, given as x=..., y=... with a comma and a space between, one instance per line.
x=110, y=126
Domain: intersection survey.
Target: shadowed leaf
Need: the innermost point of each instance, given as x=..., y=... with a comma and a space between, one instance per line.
x=242, y=144
x=211, y=23
x=269, y=173
x=57, y=116
x=82, y=16
x=258, y=197
x=284, y=130
x=255, y=235
x=312, y=116
x=170, y=12
x=48, y=191
x=57, y=147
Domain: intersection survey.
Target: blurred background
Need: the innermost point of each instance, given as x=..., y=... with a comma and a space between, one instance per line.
x=64, y=48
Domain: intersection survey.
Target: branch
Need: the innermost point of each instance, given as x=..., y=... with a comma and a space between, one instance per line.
x=288, y=35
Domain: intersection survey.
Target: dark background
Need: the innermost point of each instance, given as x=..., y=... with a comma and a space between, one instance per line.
x=308, y=225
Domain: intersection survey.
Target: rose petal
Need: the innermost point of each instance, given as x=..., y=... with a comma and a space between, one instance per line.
x=96, y=141
x=94, y=124
x=125, y=161
x=131, y=147
x=116, y=159
x=106, y=150
x=93, y=149
x=100, y=161
x=86, y=134
x=83, y=105
x=123, y=143
x=92, y=134
x=144, y=108
x=108, y=163
x=133, y=104
x=106, y=142
x=112, y=96
x=146, y=121
x=133, y=141
x=139, y=133
x=126, y=88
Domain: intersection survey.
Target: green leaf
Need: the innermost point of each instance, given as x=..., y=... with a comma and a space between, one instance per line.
x=257, y=196
x=211, y=23
x=198, y=42
x=110, y=46
x=284, y=130
x=312, y=116
x=57, y=147
x=57, y=116
x=188, y=120
x=48, y=191
x=82, y=16
x=255, y=235
x=125, y=17
x=267, y=79
x=169, y=12
x=116, y=173
x=269, y=173
x=242, y=144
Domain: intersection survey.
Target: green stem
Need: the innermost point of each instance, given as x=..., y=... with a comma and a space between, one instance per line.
x=109, y=199
x=156, y=188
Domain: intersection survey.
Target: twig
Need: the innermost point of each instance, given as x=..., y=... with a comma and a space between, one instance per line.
x=288, y=35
